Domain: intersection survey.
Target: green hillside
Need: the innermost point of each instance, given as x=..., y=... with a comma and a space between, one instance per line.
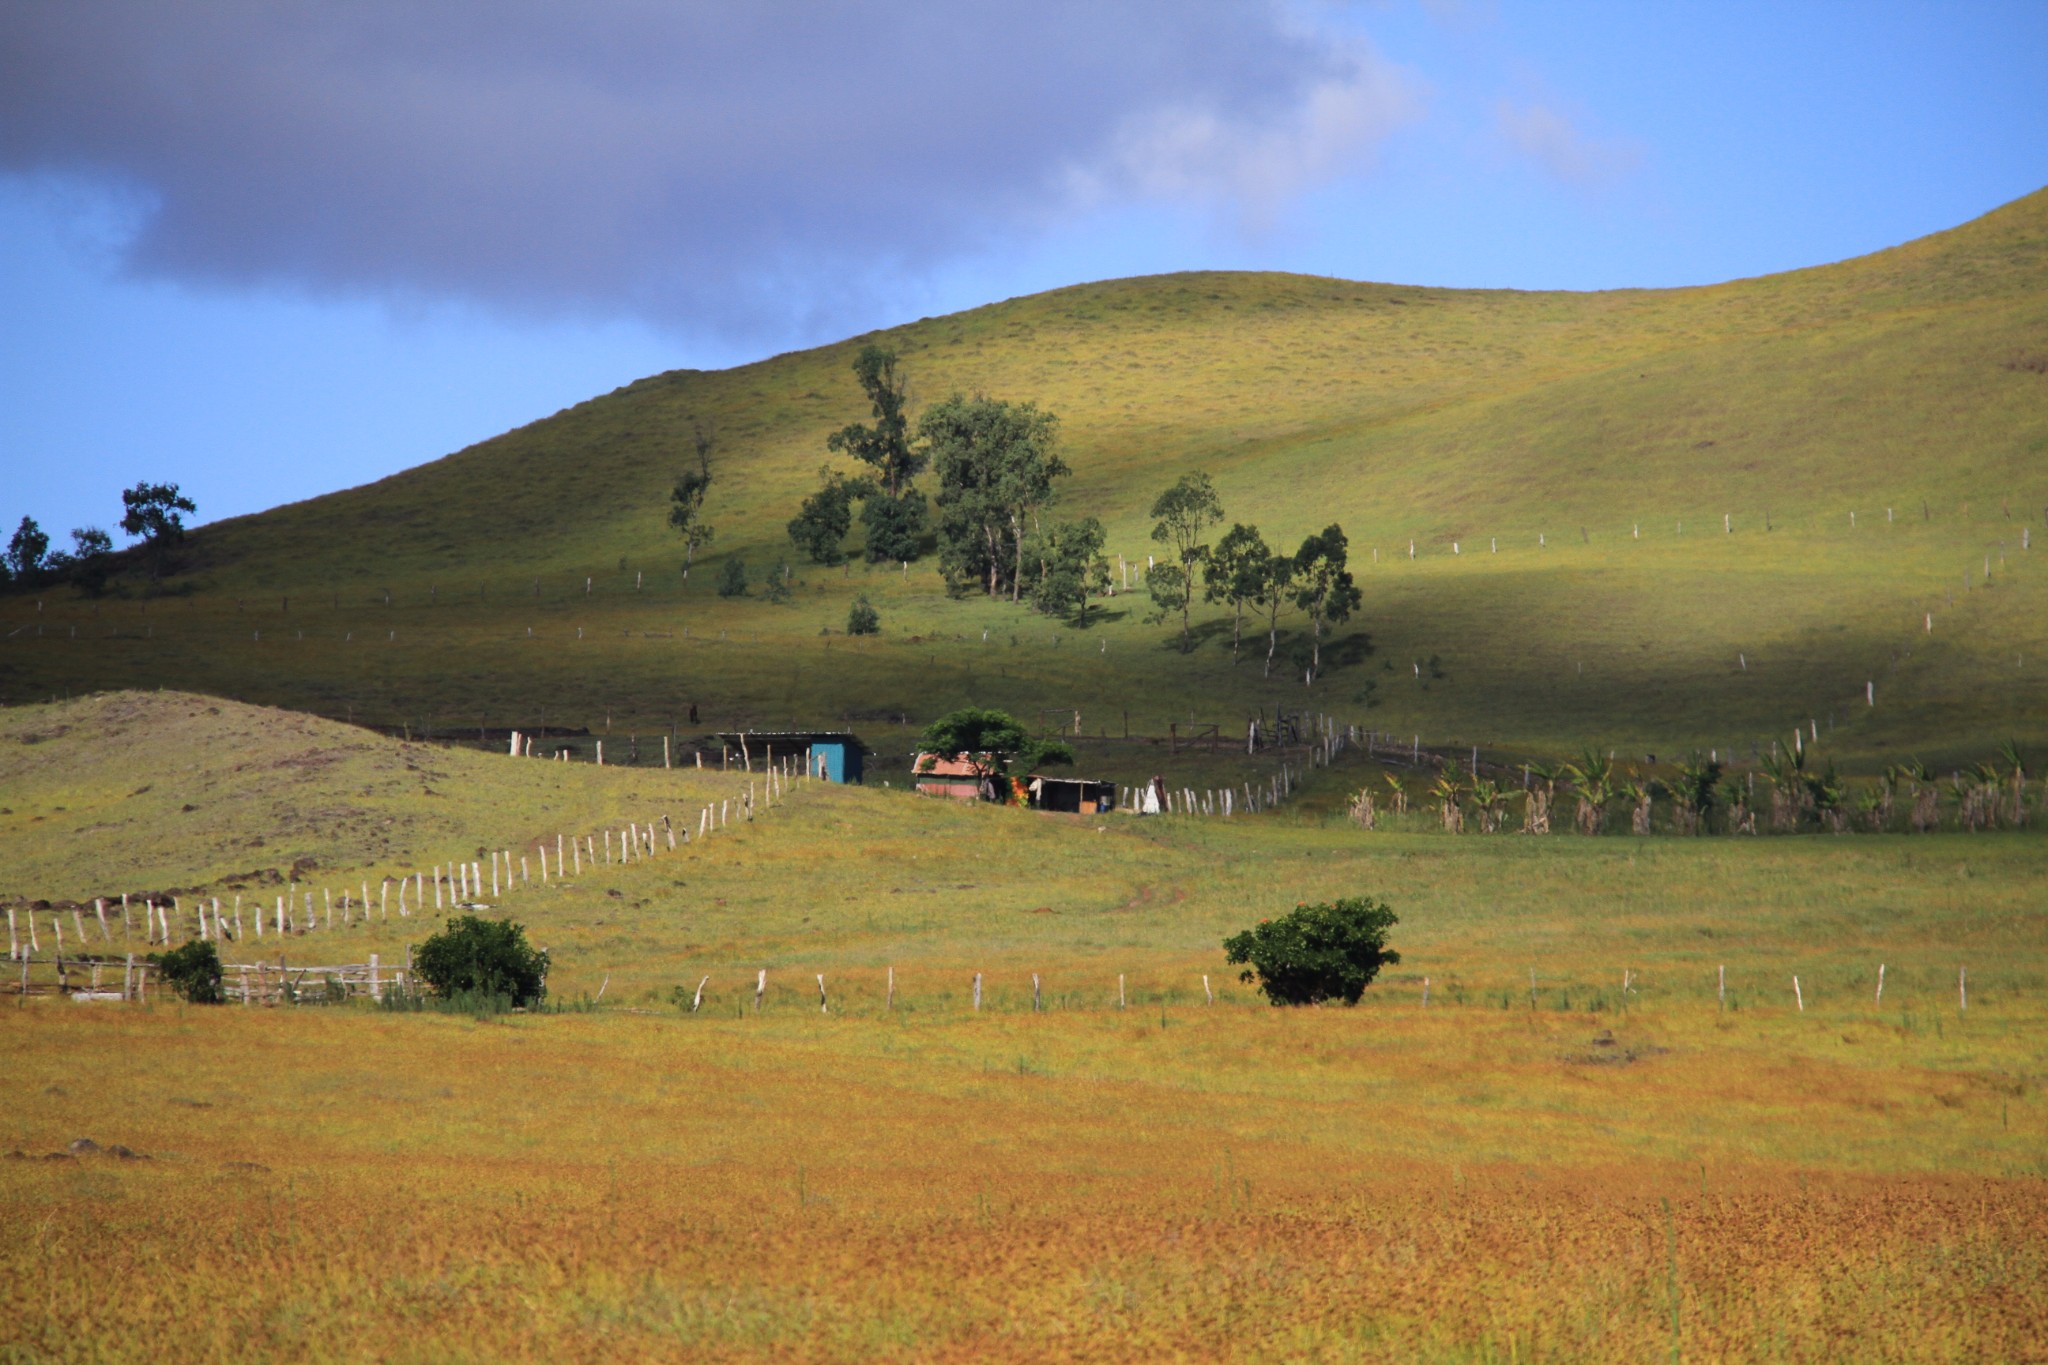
x=1562, y=464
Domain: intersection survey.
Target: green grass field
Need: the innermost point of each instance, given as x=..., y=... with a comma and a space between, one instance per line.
x=1624, y=1097
x=531, y=577
x=1536, y=1161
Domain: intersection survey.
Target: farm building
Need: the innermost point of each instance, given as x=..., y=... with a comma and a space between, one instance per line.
x=833, y=755
x=954, y=777
x=1084, y=795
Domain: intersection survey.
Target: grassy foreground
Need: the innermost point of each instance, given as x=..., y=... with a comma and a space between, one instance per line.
x=1576, y=1172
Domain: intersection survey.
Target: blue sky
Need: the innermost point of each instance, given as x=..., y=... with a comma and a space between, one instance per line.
x=266, y=251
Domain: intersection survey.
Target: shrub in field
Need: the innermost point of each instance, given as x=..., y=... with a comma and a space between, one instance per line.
x=193, y=971
x=483, y=957
x=862, y=618
x=1317, y=952
x=732, y=578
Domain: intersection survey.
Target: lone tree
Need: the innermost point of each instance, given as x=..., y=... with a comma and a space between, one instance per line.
x=1184, y=513
x=153, y=514
x=26, y=549
x=993, y=743
x=1236, y=572
x=996, y=462
x=1316, y=953
x=732, y=578
x=475, y=956
x=1323, y=586
x=686, y=500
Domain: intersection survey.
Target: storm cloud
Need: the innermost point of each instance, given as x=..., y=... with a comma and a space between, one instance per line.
x=752, y=168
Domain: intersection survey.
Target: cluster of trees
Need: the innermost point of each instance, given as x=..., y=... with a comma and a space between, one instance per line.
x=996, y=466
x=152, y=513
x=1246, y=573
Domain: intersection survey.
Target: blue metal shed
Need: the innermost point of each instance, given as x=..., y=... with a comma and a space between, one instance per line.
x=834, y=755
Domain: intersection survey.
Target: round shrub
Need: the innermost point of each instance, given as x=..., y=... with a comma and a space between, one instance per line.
x=479, y=957
x=1317, y=952
x=193, y=971
x=862, y=618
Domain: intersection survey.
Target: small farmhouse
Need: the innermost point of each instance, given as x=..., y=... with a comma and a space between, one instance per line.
x=950, y=775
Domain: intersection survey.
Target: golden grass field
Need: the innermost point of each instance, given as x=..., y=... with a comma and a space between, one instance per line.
x=1596, y=1176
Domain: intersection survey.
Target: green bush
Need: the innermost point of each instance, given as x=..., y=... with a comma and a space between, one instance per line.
x=863, y=619
x=732, y=578
x=193, y=971
x=1317, y=952
x=478, y=957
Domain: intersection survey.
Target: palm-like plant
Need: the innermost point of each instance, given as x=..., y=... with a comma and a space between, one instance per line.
x=1592, y=777
x=2016, y=783
x=1692, y=794
x=1397, y=795
x=1926, y=795
x=1786, y=772
x=1639, y=795
x=1490, y=799
x=1735, y=795
x=1542, y=792
x=1449, y=792
x=1827, y=792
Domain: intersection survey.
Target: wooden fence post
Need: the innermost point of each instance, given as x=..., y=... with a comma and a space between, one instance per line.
x=760, y=989
x=822, y=1007
x=698, y=1003
x=889, y=1002
x=1035, y=1006
x=1208, y=994
x=977, y=991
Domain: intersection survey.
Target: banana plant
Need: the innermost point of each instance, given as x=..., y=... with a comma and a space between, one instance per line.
x=1449, y=793
x=1592, y=777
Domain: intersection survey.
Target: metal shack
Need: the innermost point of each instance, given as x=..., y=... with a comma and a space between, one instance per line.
x=834, y=755
x=1080, y=794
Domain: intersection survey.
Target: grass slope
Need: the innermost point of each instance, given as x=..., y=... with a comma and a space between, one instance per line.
x=532, y=575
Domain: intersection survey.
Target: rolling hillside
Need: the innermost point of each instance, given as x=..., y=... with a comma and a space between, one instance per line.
x=1874, y=432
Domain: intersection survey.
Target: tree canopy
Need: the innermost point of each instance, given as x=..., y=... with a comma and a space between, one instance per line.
x=686, y=500
x=153, y=513
x=1236, y=572
x=1183, y=515
x=993, y=742
x=1323, y=585
x=1315, y=953
x=996, y=463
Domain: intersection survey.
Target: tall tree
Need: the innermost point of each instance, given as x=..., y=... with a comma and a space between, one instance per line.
x=1182, y=515
x=26, y=549
x=1323, y=585
x=686, y=501
x=1236, y=573
x=996, y=462
x=885, y=447
x=894, y=526
x=1071, y=567
x=153, y=512
x=1275, y=596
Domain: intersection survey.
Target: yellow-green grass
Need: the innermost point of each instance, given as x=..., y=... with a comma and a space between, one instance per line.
x=1907, y=382
x=1476, y=1180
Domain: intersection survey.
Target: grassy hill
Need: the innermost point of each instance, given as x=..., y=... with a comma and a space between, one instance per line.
x=1561, y=464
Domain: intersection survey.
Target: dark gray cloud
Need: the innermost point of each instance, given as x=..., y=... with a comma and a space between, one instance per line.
x=748, y=165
